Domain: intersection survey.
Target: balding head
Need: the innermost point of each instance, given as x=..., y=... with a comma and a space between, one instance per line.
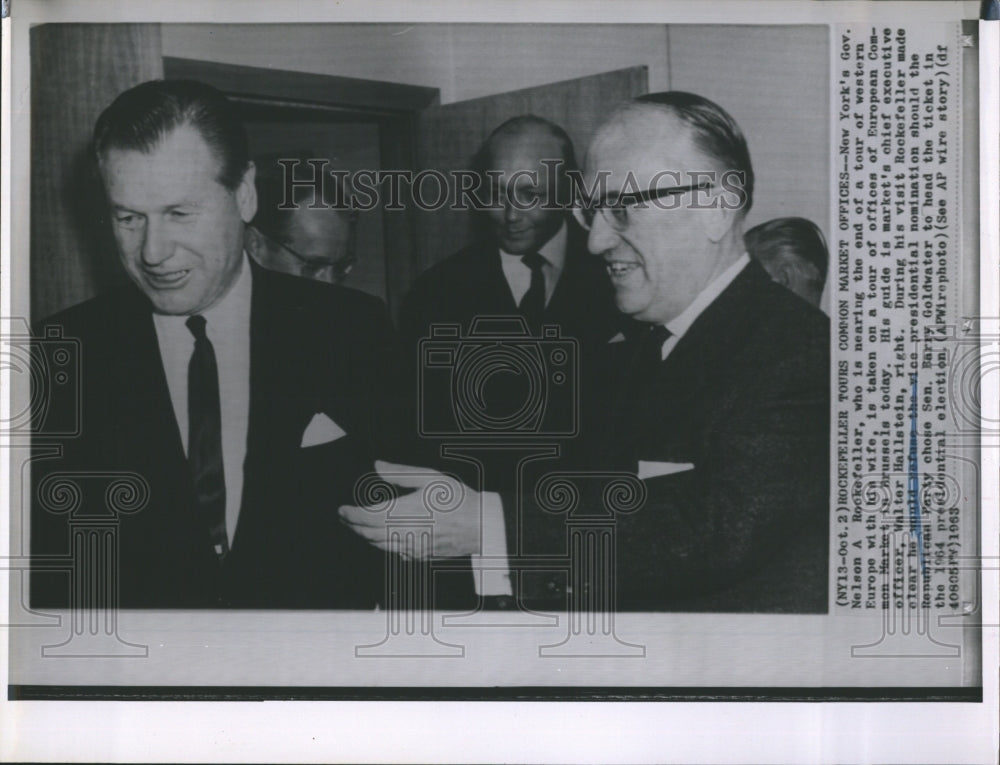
x=524, y=165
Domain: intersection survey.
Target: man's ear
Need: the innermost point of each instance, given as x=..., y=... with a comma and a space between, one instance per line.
x=783, y=276
x=719, y=219
x=246, y=193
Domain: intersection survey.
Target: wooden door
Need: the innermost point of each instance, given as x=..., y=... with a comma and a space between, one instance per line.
x=448, y=136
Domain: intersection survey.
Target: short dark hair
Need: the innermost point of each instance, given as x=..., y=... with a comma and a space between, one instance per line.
x=784, y=237
x=141, y=117
x=715, y=133
x=272, y=218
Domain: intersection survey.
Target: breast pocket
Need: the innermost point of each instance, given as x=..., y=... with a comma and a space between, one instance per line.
x=334, y=471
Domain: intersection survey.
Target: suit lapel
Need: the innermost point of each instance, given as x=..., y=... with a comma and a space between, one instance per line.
x=699, y=360
x=141, y=387
x=496, y=287
x=570, y=287
x=145, y=430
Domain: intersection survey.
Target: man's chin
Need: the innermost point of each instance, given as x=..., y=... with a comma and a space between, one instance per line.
x=514, y=248
x=172, y=304
x=518, y=245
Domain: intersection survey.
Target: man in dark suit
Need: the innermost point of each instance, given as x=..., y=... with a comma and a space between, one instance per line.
x=529, y=265
x=317, y=242
x=238, y=400
x=718, y=403
x=530, y=259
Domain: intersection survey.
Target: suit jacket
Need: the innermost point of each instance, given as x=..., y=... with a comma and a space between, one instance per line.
x=469, y=284
x=743, y=402
x=311, y=349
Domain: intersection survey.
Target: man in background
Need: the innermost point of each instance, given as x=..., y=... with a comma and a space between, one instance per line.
x=528, y=269
x=530, y=259
x=793, y=251
x=311, y=233
x=234, y=394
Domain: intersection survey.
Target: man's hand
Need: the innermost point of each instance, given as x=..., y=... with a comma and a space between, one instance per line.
x=454, y=509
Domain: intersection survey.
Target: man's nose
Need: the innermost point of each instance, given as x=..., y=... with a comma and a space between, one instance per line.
x=511, y=213
x=156, y=245
x=602, y=236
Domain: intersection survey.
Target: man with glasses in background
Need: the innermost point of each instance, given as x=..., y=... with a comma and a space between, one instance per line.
x=718, y=397
x=313, y=233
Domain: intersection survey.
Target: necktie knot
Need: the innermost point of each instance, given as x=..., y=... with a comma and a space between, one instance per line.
x=534, y=261
x=196, y=325
x=651, y=348
x=658, y=335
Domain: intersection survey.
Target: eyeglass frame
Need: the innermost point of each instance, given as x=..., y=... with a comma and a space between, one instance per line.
x=626, y=200
x=341, y=266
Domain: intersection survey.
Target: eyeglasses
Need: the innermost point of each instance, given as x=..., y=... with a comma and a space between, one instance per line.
x=616, y=213
x=312, y=264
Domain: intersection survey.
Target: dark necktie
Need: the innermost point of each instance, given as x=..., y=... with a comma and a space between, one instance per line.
x=532, y=305
x=205, y=436
x=650, y=353
x=633, y=392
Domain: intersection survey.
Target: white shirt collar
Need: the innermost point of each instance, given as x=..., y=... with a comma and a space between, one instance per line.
x=682, y=323
x=554, y=250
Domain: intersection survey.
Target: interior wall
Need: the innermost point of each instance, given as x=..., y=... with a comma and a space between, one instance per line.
x=76, y=70
x=779, y=93
x=774, y=80
x=463, y=60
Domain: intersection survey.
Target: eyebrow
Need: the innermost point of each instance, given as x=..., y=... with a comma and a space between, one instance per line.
x=117, y=207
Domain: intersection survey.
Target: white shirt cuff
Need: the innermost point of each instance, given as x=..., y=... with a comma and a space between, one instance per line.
x=490, y=569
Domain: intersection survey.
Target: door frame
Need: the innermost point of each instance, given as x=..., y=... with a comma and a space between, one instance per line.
x=393, y=106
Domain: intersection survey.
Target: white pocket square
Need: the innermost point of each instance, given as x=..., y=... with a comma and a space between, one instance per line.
x=619, y=338
x=656, y=469
x=321, y=430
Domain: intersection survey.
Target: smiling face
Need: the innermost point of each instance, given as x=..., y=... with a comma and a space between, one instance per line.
x=179, y=230
x=514, y=156
x=663, y=258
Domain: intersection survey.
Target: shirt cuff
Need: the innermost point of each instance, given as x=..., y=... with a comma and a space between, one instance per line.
x=490, y=569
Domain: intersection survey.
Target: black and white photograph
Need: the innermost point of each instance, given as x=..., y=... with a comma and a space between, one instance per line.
x=505, y=355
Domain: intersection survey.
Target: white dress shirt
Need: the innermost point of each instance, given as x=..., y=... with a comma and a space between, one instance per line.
x=228, y=329
x=518, y=275
x=497, y=582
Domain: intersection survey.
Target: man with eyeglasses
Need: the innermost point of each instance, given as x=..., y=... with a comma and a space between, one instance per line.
x=315, y=235
x=716, y=399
